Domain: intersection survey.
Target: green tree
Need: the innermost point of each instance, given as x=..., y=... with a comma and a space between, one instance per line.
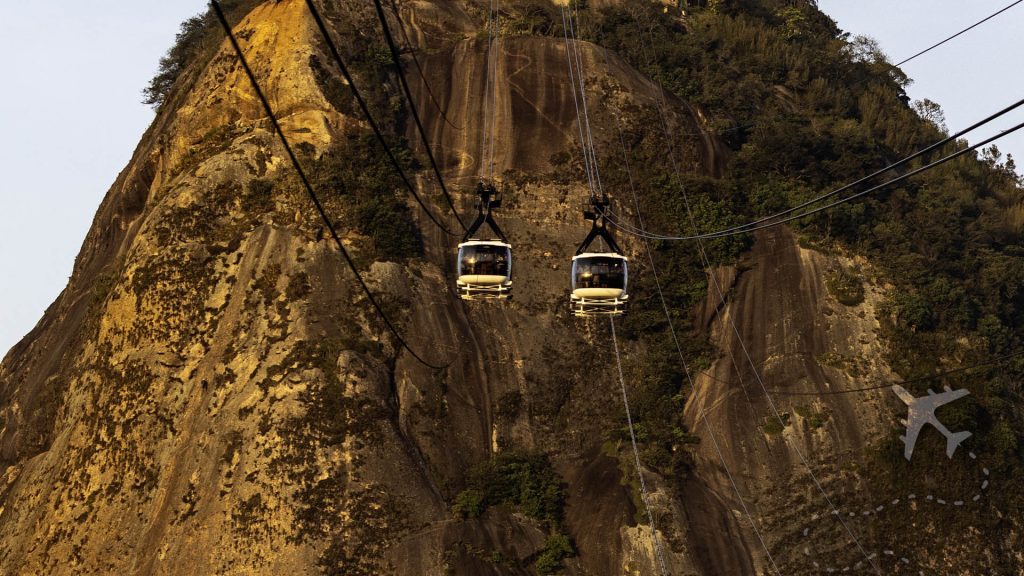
x=187, y=44
x=931, y=112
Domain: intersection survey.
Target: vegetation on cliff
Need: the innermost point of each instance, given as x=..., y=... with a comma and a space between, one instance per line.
x=195, y=43
x=801, y=108
x=804, y=108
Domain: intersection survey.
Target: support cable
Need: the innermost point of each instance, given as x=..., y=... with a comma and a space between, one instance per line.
x=485, y=116
x=419, y=68
x=898, y=64
x=969, y=28
x=632, y=230
x=662, y=107
x=701, y=413
x=999, y=360
x=754, y=225
x=333, y=49
x=575, y=99
x=659, y=553
x=582, y=112
x=309, y=189
x=583, y=97
x=492, y=84
x=412, y=108
x=590, y=163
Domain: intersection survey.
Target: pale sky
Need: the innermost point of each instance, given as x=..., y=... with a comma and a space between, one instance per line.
x=971, y=76
x=71, y=116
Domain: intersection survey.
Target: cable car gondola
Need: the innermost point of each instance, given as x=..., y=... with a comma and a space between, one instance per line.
x=599, y=279
x=485, y=266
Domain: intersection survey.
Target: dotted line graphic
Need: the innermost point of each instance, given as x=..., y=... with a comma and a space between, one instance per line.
x=909, y=500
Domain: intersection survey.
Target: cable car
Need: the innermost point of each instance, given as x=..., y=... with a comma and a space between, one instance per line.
x=485, y=266
x=600, y=280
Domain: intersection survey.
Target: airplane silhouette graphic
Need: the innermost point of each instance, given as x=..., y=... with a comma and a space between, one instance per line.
x=921, y=411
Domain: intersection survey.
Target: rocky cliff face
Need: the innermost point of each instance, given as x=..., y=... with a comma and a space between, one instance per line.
x=212, y=395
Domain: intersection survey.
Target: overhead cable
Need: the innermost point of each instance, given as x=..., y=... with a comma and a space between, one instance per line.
x=309, y=188
x=333, y=49
x=662, y=107
x=584, y=122
x=997, y=361
x=894, y=165
x=586, y=134
x=576, y=101
x=583, y=98
x=490, y=112
x=898, y=64
x=770, y=221
x=971, y=27
x=419, y=68
x=701, y=412
x=412, y=108
x=644, y=495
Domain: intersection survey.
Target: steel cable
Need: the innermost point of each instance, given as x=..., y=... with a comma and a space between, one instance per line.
x=750, y=226
x=309, y=188
x=632, y=230
x=492, y=84
x=662, y=106
x=412, y=108
x=701, y=413
x=575, y=99
x=590, y=160
x=969, y=28
x=333, y=49
x=999, y=360
x=583, y=98
x=644, y=495
x=898, y=64
x=419, y=68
